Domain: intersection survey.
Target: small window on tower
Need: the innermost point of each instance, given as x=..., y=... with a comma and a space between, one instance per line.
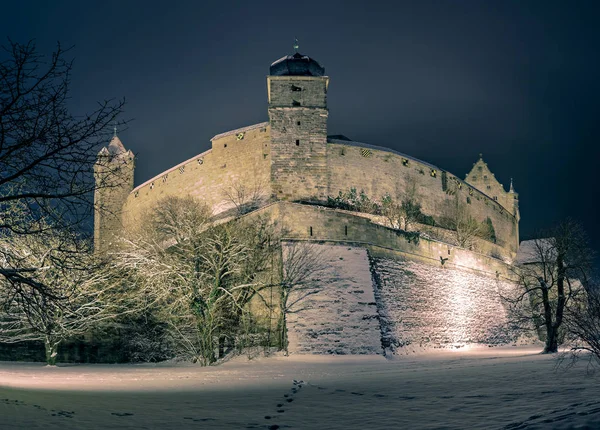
x=297, y=142
x=298, y=123
x=225, y=146
x=295, y=88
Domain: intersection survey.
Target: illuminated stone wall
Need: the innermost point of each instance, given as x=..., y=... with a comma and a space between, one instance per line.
x=318, y=223
x=424, y=306
x=239, y=157
x=380, y=172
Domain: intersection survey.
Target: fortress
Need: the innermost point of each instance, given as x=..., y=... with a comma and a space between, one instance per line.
x=290, y=169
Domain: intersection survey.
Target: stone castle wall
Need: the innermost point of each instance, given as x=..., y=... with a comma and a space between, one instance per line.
x=317, y=223
x=378, y=172
x=423, y=306
x=241, y=157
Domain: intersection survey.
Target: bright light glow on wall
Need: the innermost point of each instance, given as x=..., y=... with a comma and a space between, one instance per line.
x=460, y=313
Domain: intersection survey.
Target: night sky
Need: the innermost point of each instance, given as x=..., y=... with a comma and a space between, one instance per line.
x=441, y=81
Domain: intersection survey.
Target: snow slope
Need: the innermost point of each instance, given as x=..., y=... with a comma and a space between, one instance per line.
x=342, y=317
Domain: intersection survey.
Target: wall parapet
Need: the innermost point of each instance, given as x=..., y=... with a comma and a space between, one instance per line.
x=425, y=163
x=322, y=224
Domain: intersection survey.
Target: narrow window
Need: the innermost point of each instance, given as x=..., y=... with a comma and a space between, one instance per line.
x=345, y=230
x=297, y=142
x=225, y=146
x=298, y=123
x=310, y=231
x=469, y=200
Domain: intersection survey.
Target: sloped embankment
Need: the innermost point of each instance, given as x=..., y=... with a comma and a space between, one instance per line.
x=341, y=318
x=423, y=306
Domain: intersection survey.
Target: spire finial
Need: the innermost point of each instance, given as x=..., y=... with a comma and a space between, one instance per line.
x=512, y=189
x=115, y=130
x=296, y=44
x=480, y=156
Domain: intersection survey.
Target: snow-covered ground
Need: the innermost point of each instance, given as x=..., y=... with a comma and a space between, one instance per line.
x=492, y=388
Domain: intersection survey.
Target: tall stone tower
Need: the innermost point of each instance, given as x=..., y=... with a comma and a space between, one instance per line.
x=297, y=93
x=113, y=174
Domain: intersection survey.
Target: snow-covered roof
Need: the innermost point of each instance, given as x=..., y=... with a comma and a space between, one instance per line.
x=532, y=251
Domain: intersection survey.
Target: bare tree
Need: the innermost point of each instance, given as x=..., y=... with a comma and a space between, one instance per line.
x=194, y=275
x=46, y=152
x=583, y=322
x=66, y=295
x=466, y=228
x=246, y=197
x=404, y=211
x=551, y=272
x=301, y=264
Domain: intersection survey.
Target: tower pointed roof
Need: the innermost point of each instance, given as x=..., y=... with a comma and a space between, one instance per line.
x=115, y=147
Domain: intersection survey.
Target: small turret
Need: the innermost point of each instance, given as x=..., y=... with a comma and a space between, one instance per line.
x=515, y=200
x=113, y=174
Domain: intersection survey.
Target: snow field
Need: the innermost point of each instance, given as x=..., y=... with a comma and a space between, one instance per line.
x=491, y=388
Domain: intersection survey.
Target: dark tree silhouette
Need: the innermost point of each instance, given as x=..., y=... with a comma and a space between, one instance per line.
x=46, y=153
x=552, y=274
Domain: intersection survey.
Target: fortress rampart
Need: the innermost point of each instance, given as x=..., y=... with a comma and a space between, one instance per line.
x=290, y=158
x=241, y=157
x=321, y=224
